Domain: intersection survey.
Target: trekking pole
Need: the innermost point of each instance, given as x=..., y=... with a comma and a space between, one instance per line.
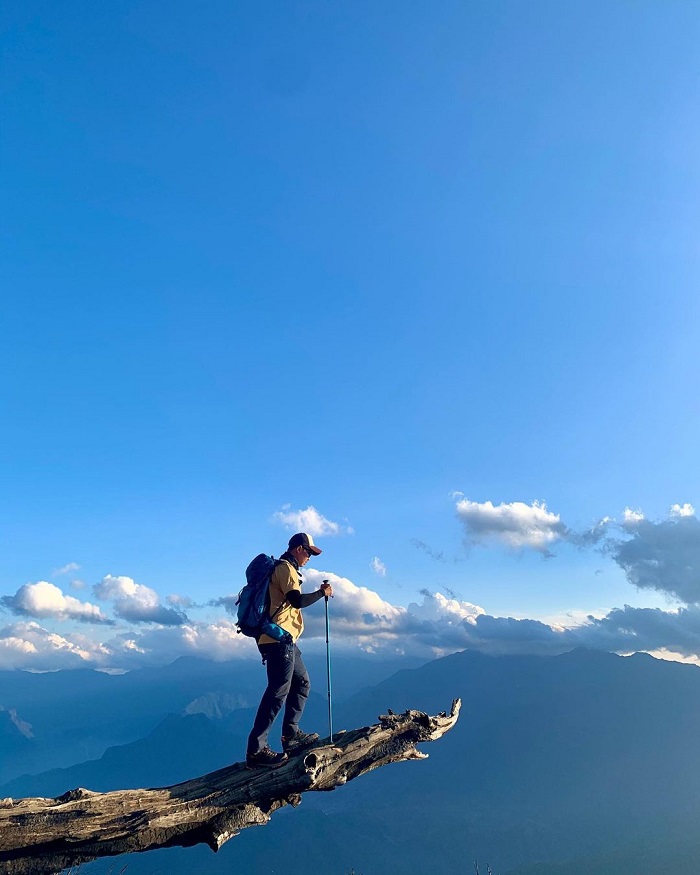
x=328, y=672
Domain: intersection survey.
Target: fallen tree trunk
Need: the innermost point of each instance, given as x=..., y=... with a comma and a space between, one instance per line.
x=41, y=836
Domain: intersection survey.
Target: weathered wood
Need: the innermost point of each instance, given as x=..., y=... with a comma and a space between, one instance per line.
x=41, y=836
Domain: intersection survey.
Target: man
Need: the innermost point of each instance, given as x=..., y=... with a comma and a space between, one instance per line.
x=287, y=678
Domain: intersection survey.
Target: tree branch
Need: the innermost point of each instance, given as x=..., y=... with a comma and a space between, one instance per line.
x=41, y=836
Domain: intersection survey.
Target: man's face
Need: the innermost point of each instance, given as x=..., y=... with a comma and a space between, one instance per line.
x=302, y=555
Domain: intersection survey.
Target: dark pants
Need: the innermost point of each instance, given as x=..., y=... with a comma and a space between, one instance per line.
x=288, y=685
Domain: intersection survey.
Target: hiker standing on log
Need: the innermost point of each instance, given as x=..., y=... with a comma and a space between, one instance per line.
x=287, y=677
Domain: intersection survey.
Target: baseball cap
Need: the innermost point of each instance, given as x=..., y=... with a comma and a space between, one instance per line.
x=301, y=539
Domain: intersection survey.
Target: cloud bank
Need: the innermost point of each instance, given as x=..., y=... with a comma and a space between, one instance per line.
x=31, y=646
x=433, y=625
x=28, y=645
x=663, y=556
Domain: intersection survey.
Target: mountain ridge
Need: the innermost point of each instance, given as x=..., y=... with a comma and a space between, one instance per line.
x=554, y=758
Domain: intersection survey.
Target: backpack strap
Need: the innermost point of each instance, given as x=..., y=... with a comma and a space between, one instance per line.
x=284, y=600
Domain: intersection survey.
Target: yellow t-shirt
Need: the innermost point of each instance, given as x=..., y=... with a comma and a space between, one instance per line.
x=284, y=578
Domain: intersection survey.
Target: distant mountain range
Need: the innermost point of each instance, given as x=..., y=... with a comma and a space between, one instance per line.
x=582, y=760
x=74, y=716
x=15, y=743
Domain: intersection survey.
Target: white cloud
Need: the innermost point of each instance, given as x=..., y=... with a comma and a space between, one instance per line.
x=157, y=645
x=439, y=608
x=67, y=569
x=29, y=646
x=631, y=518
x=136, y=603
x=357, y=610
x=310, y=521
x=517, y=525
x=15, y=652
x=679, y=510
x=115, y=587
x=44, y=599
x=219, y=640
x=360, y=617
x=378, y=566
x=670, y=656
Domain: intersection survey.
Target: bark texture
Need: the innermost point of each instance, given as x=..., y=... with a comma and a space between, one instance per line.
x=41, y=836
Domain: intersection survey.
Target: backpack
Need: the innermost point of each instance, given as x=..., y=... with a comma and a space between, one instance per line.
x=253, y=601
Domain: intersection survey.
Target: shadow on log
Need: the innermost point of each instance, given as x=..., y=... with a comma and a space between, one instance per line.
x=41, y=836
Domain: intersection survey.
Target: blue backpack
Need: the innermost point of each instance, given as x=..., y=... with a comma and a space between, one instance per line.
x=253, y=618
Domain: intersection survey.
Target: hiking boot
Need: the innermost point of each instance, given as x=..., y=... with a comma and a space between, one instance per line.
x=265, y=759
x=298, y=741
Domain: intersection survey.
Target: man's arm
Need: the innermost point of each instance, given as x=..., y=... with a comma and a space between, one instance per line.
x=298, y=600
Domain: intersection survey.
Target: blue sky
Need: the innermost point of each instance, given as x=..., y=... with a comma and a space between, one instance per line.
x=392, y=262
